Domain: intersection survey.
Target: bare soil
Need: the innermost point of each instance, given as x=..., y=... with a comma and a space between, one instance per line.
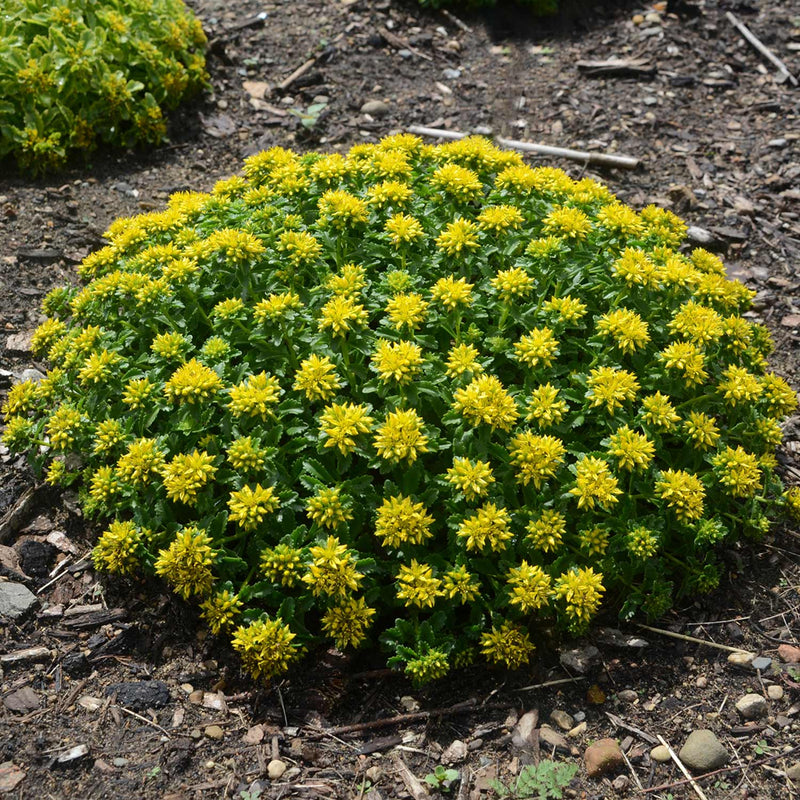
x=717, y=136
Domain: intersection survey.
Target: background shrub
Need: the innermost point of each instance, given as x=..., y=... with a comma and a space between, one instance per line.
x=424, y=394
x=75, y=72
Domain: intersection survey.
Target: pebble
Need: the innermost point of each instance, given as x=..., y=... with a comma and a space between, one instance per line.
x=577, y=731
x=660, y=754
x=524, y=733
x=701, y=682
x=16, y=600
x=628, y=696
x=762, y=663
x=581, y=659
x=73, y=754
x=254, y=735
x=752, y=706
x=561, y=719
x=789, y=654
x=119, y=761
x=653, y=16
x=196, y=697
x=375, y=108
x=90, y=703
x=22, y=701
x=275, y=769
x=455, y=753
x=793, y=773
x=621, y=783
x=552, y=738
x=451, y=74
x=703, y=752
x=741, y=659
x=404, y=54
x=214, y=732
x=603, y=757
x=637, y=19
x=775, y=692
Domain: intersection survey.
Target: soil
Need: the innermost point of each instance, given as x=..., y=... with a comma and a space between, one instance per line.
x=716, y=131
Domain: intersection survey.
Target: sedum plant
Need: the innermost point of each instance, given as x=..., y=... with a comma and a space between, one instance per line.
x=78, y=72
x=428, y=396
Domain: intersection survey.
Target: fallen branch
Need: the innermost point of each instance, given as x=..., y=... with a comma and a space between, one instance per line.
x=455, y=20
x=761, y=47
x=402, y=44
x=618, y=722
x=600, y=159
x=546, y=684
x=617, y=68
x=301, y=70
x=684, y=638
x=413, y=784
x=674, y=756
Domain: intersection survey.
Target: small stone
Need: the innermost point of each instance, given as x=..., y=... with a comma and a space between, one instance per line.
x=741, y=659
x=455, y=753
x=752, y=706
x=196, y=697
x=775, y=692
x=214, y=732
x=524, y=733
x=16, y=600
x=552, y=738
x=637, y=19
x=90, y=703
x=660, y=754
x=653, y=16
x=254, y=735
x=621, y=783
x=215, y=701
x=603, y=757
x=275, y=769
x=561, y=719
x=10, y=777
x=22, y=701
x=789, y=654
x=119, y=761
x=405, y=54
x=762, y=663
x=577, y=731
x=793, y=773
x=374, y=773
x=703, y=752
x=73, y=755
x=580, y=659
x=628, y=696
x=409, y=703
x=256, y=89
x=140, y=695
x=626, y=744
x=375, y=108
x=701, y=682
x=451, y=74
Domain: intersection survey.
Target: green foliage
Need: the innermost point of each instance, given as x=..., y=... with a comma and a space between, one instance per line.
x=426, y=395
x=77, y=71
x=543, y=781
x=441, y=778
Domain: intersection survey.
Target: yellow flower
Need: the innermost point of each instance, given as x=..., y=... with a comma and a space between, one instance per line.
x=620, y=219
x=341, y=209
x=547, y=532
x=276, y=306
x=699, y=324
x=347, y=623
x=236, y=246
x=169, y=345
x=530, y=587
x=668, y=227
x=636, y=268
x=341, y=314
x=485, y=401
x=249, y=506
x=569, y=223
x=780, y=397
x=317, y=378
x=632, y=450
x=350, y=280
x=186, y=563
x=401, y=436
x=192, y=382
x=500, y=218
x=140, y=462
x=265, y=647
x=471, y=479
x=509, y=644
x=702, y=430
x=332, y=572
x=452, y=292
x=461, y=184
x=537, y=458
x=301, y=248
x=642, y=543
x=98, y=367
x=739, y=386
x=186, y=475
x=545, y=407
x=327, y=509
x=582, y=590
x=659, y=412
x=282, y=564
x=611, y=387
x=403, y=228
x=462, y=358
x=594, y=540
x=683, y=492
x=458, y=236
x=489, y=526
x=107, y=436
x=245, y=454
x=330, y=168
x=417, y=586
x=63, y=427
x=407, y=309
x=255, y=396
x=595, y=485
x=402, y=521
x=738, y=471
x=138, y=392
x=392, y=193
x=228, y=309
x=568, y=309
x=397, y=361
x=628, y=330
x=342, y=422
x=511, y=283
x=458, y=583
x=220, y=610
x=118, y=548
x=21, y=397
x=536, y=347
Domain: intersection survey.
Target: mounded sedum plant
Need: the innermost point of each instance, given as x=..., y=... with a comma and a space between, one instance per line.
x=427, y=396
x=75, y=72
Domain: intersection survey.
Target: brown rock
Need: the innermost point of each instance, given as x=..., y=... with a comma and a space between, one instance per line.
x=22, y=701
x=603, y=757
x=524, y=733
x=789, y=654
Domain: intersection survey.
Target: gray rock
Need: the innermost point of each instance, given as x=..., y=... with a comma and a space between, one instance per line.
x=581, y=659
x=762, y=663
x=752, y=706
x=72, y=756
x=561, y=719
x=793, y=773
x=524, y=733
x=552, y=738
x=16, y=600
x=22, y=701
x=455, y=753
x=405, y=54
x=140, y=695
x=775, y=692
x=451, y=74
x=375, y=108
x=703, y=752
x=628, y=696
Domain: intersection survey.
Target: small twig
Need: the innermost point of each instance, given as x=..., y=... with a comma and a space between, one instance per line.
x=61, y=571
x=600, y=159
x=544, y=685
x=761, y=47
x=700, y=793
x=301, y=70
x=144, y=719
x=398, y=41
x=456, y=21
x=684, y=638
x=413, y=784
x=620, y=723
x=632, y=771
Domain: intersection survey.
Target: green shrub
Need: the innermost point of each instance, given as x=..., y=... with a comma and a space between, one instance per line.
x=429, y=388
x=75, y=72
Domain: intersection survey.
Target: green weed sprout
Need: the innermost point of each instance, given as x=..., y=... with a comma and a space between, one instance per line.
x=427, y=396
x=78, y=72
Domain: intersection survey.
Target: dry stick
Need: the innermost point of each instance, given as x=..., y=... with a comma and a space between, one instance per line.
x=402, y=44
x=301, y=70
x=684, y=638
x=145, y=720
x=700, y=793
x=544, y=685
x=400, y=719
x=632, y=770
x=455, y=20
x=760, y=46
x=600, y=159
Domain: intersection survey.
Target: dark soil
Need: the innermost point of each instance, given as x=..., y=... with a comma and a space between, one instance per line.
x=717, y=136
